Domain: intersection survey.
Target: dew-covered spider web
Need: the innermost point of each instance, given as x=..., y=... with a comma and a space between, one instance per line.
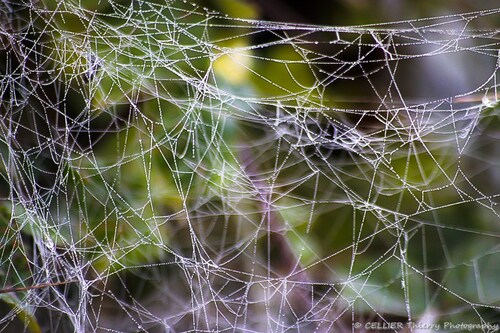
x=168, y=168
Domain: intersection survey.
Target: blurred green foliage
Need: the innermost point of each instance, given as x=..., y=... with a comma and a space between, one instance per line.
x=168, y=161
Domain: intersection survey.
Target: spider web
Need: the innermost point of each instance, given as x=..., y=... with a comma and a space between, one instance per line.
x=167, y=168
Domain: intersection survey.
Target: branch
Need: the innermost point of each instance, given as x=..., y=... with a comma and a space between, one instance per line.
x=37, y=286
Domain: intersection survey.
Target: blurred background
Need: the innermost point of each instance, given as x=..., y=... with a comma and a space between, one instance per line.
x=263, y=166
x=356, y=12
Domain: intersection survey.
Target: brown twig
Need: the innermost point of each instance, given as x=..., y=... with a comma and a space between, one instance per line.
x=38, y=286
